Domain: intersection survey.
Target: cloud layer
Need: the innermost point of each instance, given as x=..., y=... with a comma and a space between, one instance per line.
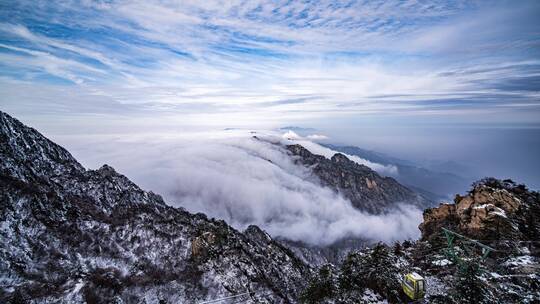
x=231, y=176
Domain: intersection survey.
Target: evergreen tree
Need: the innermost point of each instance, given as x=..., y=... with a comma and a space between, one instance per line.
x=469, y=287
x=321, y=287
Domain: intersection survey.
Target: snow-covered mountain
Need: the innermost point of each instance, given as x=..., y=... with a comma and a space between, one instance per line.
x=73, y=235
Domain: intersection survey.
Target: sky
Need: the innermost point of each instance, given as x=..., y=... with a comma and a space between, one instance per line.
x=424, y=80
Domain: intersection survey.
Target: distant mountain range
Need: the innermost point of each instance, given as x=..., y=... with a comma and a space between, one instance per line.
x=299, y=130
x=436, y=180
x=435, y=185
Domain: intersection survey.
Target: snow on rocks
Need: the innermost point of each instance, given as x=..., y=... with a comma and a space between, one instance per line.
x=520, y=261
x=73, y=235
x=443, y=262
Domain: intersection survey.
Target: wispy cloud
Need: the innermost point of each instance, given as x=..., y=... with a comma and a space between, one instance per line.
x=274, y=59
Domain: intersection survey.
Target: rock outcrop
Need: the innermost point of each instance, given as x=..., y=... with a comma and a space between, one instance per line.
x=492, y=210
x=365, y=188
x=71, y=235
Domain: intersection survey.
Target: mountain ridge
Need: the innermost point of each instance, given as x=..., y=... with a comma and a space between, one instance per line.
x=436, y=185
x=68, y=234
x=93, y=236
x=365, y=188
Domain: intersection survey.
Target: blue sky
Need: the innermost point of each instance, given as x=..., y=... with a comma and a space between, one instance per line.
x=130, y=66
x=253, y=61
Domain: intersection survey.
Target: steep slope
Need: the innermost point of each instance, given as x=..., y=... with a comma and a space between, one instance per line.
x=75, y=235
x=365, y=188
x=500, y=214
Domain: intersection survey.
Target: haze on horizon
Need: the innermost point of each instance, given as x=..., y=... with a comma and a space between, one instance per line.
x=435, y=80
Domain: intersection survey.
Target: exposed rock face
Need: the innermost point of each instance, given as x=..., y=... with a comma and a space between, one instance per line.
x=365, y=188
x=493, y=209
x=436, y=218
x=92, y=236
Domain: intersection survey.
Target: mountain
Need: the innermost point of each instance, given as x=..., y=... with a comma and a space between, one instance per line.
x=434, y=184
x=372, y=156
x=73, y=235
x=365, y=188
x=500, y=214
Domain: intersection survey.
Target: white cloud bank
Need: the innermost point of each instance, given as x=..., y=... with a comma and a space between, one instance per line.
x=231, y=176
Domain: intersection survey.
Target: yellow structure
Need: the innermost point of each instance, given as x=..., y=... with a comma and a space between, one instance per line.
x=414, y=285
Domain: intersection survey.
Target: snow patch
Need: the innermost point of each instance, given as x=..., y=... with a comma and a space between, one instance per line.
x=434, y=286
x=370, y=296
x=520, y=261
x=497, y=211
x=442, y=262
x=496, y=275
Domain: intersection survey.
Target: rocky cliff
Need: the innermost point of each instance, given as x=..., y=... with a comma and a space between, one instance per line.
x=492, y=210
x=365, y=188
x=73, y=235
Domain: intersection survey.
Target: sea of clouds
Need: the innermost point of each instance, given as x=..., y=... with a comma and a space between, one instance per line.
x=244, y=180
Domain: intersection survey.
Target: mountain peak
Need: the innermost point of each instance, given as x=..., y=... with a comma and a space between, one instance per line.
x=299, y=150
x=27, y=154
x=340, y=158
x=107, y=169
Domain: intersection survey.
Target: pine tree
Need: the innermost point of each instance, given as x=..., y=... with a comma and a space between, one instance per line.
x=469, y=287
x=321, y=287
